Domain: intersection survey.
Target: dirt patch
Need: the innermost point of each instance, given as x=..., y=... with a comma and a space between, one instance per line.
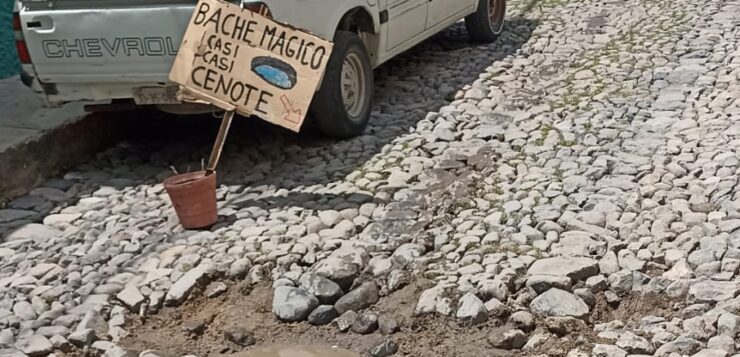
x=634, y=307
x=251, y=308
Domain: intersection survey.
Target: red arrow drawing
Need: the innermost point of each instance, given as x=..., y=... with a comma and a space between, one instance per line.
x=291, y=115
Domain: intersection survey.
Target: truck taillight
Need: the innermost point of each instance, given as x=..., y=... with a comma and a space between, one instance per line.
x=17, y=22
x=20, y=43
x=23, y=54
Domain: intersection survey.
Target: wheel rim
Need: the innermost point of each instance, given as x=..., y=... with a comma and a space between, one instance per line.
x=496, y=15
x=353, y=85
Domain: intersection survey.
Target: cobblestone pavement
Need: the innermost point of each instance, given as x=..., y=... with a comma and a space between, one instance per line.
x=589, y=154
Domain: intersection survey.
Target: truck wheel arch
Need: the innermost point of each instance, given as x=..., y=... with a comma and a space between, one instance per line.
x=360, y=21
x=357, y=20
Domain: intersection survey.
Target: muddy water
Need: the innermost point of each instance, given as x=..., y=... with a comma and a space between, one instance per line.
x=298, y=351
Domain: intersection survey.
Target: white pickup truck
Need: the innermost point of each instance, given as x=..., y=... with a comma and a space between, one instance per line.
x=108, y=50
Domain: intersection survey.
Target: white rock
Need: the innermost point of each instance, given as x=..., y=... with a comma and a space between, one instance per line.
x=180, y=290
x=471, y=310
x=34, y=345
x=556, y=302
x=575, y=268
x=131, y=297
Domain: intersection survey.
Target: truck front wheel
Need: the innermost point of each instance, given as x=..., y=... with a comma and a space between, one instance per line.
x=486, y=23
x=343, y=103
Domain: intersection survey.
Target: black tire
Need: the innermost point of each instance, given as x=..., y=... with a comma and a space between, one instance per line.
x=486, y=23
x=329, y=109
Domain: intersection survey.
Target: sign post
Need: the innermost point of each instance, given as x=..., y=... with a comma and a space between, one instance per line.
x=218, y=147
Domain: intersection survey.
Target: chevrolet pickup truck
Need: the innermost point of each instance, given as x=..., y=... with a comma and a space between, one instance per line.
x=114, y=50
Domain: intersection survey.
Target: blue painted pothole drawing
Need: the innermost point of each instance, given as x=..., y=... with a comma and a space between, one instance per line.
x=275, y=72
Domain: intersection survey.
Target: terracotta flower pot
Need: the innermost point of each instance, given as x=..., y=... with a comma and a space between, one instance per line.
x=194, y=197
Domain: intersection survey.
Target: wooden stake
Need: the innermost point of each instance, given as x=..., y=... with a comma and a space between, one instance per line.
x=218, y=146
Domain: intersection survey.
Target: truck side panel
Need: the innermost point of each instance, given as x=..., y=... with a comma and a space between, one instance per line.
x=127, y=44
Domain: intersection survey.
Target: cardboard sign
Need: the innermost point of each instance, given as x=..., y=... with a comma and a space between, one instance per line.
x=238, y=60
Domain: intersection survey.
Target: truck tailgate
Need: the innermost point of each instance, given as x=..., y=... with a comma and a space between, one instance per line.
x=126, y=44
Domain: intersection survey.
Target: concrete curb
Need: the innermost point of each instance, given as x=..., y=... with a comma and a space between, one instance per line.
x=29, y=163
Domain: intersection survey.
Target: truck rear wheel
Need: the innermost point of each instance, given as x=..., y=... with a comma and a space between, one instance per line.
x=486, y=23
x=343, y=103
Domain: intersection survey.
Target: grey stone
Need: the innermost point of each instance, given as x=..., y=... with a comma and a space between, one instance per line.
x=365, y=323
x=322, y=315
x=681, y=345
x=131, y=297
x=628, y=261
x=508, y=340
x=712, y=291
x=283, y=282
x=710, y=353
x=215, y=289
x=240, y=336
x=327, y=291
x=556, y=302
x=48, y=331
x=634, y=344
x=383, y=349
x=82, y=337
x=612, y=298
x=6, y=337
x=728, y=324
x=388, y=325
x=575, y=268
x=362, y=297
x=621, y=282
x=609, y=264
x=345, y=321
x=338, y=270
x=564, y=325
x=722, y=343
x=11, y=352
x=496, y=288
x=180, y=290
x=471, y=310
x=196, y=327
x=522, y=320
x=542, y=283
x=291, y=304
x=433, y=300
x=496, y=308
x=10, y=215
x=586, y=295
x=34, y=345
x=397, y=279
x=60, y=343
x=608, y=351
x=33, y=232
x=597, y=283
x=680, y=270
x=407, y=252
x=687, y=74
x=24, y=310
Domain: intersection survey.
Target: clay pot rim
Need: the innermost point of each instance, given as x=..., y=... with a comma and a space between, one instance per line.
x=186, y=178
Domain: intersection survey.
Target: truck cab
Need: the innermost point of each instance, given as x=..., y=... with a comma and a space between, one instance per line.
x=103, y=50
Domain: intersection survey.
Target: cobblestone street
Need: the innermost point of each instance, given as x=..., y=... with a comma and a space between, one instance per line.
x=527, y=190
